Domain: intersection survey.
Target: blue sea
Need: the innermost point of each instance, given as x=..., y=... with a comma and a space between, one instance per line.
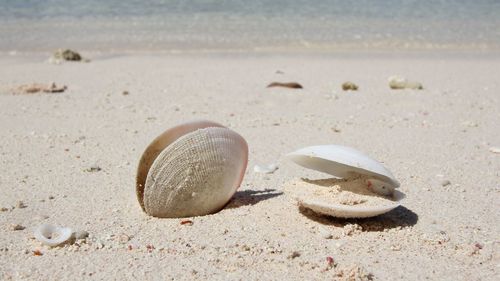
x=248, y=25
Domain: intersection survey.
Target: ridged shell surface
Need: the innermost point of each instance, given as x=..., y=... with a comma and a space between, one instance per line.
x=158, y=145
x=197, y=174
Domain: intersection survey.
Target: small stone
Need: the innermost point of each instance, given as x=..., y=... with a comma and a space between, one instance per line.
x=445, y=182
x=20, y=205
x=94, y=168
x=294, y=255
x=3, y=209
x=81, y=234
x=349, y=86
x=399, y=83
x=16, y=227
x=67, y=54
x=51, y=197
x=125, y=93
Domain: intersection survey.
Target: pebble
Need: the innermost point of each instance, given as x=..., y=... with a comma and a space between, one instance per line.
x=293, y=255
x=445, y=182
x=16, y=227
x=81, y=234
x=94, y=168
x=20, y=205
x=3, y=209
x=349, y=86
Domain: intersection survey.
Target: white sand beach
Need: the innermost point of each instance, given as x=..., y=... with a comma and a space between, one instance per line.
x=445, y=132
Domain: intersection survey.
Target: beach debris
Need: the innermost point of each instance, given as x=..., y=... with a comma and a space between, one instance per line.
x=291, y=85
x=80, y=234
x=16, y=227
x=192, y=169
x=353, y=272
x=495, y=149
x=20, y=205
x=265, y=169
x=52, y=235
x=4, y=209
x=399, y=83
x=37, y=88
x=67, y=54
x=37, y=253
x=336, y=129
x=93, y=168
x=150, y=248
x=361, y=187
x=125, y=93
x=123, y=238
x=186, y=222
x=293, y=255
x=330, y=263
x=349, y=86
x=445, y=182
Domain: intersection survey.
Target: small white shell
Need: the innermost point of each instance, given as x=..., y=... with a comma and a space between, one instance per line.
x=265, y=169
x=352, y=165
x=52, y=235
x=191, y=170
x=399, y=83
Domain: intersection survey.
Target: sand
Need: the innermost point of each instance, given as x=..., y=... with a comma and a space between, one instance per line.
x=71, y=159
x=348, y=192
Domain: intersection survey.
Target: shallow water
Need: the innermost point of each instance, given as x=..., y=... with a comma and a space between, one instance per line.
x=258, y=25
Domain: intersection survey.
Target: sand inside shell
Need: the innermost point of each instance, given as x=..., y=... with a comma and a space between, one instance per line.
x=348, y=192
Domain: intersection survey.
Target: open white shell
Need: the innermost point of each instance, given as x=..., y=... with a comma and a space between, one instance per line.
x=52, y=235
x=192, y=169
x=346, y=163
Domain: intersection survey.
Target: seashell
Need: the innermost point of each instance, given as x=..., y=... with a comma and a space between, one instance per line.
x=265, y=169
x=52, y=235
x=362, y=187
x=192, y=169
x=399, y=83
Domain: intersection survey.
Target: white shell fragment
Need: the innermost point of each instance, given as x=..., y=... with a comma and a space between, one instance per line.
x=265, y=169
x=399, y=83
x=362, y=187
x=495, y=149
x=191, y=170
x=52, y=235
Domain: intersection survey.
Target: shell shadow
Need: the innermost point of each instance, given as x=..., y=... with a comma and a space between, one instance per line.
x=399, y=217
x=251, y=197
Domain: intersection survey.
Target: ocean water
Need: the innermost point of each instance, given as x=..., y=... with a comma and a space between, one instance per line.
x=248, y=25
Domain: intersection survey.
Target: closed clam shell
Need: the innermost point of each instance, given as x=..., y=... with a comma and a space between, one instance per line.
x=362, y=187
x=191, y=170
